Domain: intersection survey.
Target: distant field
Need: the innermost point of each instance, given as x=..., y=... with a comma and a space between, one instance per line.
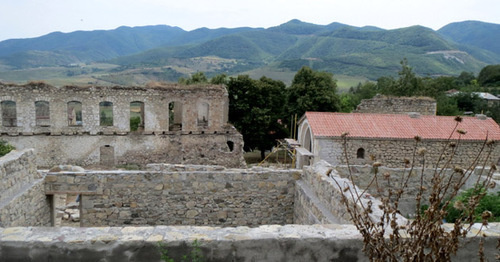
x=58, y=76
x=343, y=82
x=103, y=74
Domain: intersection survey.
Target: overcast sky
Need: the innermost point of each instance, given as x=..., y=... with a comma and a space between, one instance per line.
x=32, y=18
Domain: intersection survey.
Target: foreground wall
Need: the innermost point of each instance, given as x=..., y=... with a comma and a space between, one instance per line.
x=180, y=195
x=266, y=243
x=22, y=195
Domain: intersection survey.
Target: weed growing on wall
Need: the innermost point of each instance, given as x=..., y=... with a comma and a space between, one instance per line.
x=387, y=238
x=194, y=255
x=5, y=148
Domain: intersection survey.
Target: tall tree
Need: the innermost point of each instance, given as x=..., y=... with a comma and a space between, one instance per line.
x=312, y=91
x=489, y=76
x=256, y=110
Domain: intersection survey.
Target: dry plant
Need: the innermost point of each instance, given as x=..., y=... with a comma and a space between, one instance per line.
x=422, y=238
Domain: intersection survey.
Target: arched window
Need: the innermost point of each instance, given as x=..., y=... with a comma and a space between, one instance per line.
x=75, y=113
x=9, y=113
x=136, y=116
x=203, y=114
x=360, y=153
x=106, y=113
x=174, y=116
x=42, y=113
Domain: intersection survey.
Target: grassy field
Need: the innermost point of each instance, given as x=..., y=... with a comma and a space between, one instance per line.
x=344, y=82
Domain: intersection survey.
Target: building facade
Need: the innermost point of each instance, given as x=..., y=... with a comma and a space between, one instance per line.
x=111, y=126
x=390, y=138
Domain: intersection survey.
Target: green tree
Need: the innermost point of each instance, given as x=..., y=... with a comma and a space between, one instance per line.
x=489, y=76
x=196, y=78
x=312, y=91
x=256, y=110
x=219, y=79
x=349, y=101
x=408, y=84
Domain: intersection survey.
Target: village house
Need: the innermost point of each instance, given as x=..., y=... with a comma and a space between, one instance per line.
x=390, y=138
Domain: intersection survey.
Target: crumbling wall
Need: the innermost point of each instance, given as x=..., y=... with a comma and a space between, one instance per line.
x=364, y=174
x=319, y=195
x=22, y=195
x=72, y=125
x=178, y=148
x=178, y=195
x=397, y=105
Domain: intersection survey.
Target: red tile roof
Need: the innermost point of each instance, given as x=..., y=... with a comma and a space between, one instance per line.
x=327, y=124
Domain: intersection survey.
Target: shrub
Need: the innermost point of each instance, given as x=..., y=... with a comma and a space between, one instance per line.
x=5, y=148
x=459, y=206
x=134, y=123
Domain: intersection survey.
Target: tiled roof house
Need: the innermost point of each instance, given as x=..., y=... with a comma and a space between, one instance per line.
x=389, y=138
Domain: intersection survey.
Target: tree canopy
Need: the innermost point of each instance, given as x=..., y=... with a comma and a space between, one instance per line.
x=256, y=110
x=312, y=91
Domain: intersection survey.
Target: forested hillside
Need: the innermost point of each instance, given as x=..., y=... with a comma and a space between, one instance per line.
x=163, y=53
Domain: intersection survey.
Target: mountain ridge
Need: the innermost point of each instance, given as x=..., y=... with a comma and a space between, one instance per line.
x=338, y=48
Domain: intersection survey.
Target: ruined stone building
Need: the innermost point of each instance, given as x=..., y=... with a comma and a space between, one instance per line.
x=389, y=138
x=381, y=104
x=111, y=126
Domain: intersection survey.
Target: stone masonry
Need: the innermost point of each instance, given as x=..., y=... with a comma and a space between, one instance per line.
x=393, y=152
x=93, y=125
x=397, y=105
x=180, y=195
x=199, y=195
x=22, y=198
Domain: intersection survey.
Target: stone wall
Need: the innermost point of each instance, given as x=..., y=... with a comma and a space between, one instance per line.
x=177, y=195
x=319, y=197
x=116, y=150
x=177, y=124
x=22, y=198
x=265, y=243
x=397, y=105
x=392, y=152
x=362, y=176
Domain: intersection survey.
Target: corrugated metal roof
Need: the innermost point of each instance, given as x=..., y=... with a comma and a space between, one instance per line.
x=327, y=124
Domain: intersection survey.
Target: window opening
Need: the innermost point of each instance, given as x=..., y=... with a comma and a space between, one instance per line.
x=230, y=145
x=106, y=113
x=360, y=153
x=203, y=109
x=9, y=113
x=75, y=113
x=174, y=116
x=42, y=113
x=136, y=116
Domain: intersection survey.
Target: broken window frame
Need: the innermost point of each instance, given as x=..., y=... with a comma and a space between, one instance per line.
x=75, y=114
x=9, y=113
x=42, y=113
x=106, y=113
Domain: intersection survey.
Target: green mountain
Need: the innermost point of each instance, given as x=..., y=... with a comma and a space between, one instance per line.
x=163, y=53
x=474, y=33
